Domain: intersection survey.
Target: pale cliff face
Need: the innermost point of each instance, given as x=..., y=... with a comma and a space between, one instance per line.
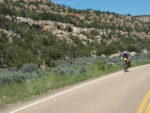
x=144, y=18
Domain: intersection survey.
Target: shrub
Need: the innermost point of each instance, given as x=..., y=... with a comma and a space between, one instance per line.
x=82, y=69
x=29, y=68
x=111, y=64
x=8, y=77
x=101, y=65
x=17, y=56
x=48, y=60
x=13, y=69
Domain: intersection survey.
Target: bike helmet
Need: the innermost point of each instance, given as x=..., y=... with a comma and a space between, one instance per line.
x=125, y=52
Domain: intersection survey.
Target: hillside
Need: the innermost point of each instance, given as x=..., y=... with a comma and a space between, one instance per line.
x=144, y=18
x=41, y=32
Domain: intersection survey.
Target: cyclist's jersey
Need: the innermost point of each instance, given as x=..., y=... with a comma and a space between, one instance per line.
x=125, y=55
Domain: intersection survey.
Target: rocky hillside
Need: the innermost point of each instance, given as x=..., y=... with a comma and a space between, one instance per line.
x=105, y=24
x=81, y=31
x=144, y=18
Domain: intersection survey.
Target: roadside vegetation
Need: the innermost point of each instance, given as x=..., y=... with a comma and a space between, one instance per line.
x=30, y=81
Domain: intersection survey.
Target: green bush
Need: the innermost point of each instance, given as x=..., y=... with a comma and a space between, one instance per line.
x=82, y=69
x=101, y=65
x=13, y=69
x=111, y=64
x=17, y=56
x=29, y=68
x=8, y=77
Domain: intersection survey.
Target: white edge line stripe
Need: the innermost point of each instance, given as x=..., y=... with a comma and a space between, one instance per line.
x=63, y=92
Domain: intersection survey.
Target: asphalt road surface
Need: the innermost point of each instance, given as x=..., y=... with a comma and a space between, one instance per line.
x=119, y=92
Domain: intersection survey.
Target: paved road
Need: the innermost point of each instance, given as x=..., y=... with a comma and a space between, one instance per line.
x=115, y=93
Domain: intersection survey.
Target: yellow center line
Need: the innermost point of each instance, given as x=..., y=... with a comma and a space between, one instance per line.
x=143, y=103
x=148, y=109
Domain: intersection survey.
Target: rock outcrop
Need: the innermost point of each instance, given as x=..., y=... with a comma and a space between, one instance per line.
x=133, y=54
x=115, y=55
x=144, y=18
x=144, y=51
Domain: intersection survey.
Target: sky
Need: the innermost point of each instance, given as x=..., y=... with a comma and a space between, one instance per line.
x=133, y=7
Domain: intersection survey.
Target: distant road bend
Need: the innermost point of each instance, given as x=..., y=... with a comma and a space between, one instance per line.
x=115, y=93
